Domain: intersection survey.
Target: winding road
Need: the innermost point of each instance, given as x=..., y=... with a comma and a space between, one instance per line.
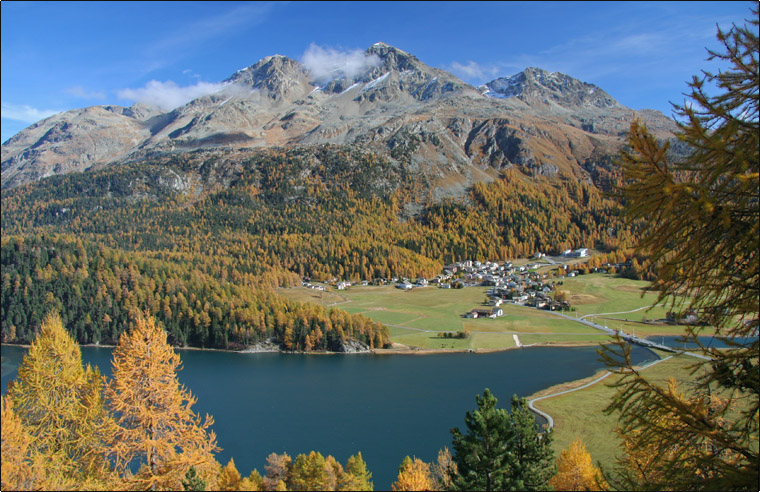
x=549, y=419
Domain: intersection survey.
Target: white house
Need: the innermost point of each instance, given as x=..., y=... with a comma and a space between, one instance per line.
x=404, y=286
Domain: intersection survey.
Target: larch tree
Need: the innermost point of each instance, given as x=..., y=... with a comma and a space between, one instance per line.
x=309, y=472
x=576, y=470
x=701, y=229
x=158, y=431
x=252, y=482
x=444, y=470
x=60, y=404
x=356, y=476
x=413, y=474
x=229, y=477
x=278, y=471
x=19, y=469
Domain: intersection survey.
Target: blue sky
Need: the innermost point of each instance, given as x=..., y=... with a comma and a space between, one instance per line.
x=57, y=56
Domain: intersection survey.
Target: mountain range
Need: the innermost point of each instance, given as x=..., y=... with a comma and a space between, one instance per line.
x=385, y=169
x=445, y=132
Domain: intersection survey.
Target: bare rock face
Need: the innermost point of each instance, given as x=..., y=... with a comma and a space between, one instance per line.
x=446, y=131
x=538, y=87
x=72, y=141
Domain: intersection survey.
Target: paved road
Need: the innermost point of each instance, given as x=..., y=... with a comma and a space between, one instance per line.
x=549, y=419
x=630, y=338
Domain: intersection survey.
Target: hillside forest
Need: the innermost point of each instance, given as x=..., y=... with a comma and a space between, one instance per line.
x=200, y=240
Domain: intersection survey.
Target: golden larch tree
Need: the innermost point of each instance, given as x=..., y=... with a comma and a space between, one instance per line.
x=413, y=474
x=576, y=470
x=158, y=430
x=700, y=232
x=16, y=465
x=60, y=404
x=229, y=477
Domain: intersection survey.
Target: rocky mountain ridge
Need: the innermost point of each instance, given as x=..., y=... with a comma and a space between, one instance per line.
x=438, y=127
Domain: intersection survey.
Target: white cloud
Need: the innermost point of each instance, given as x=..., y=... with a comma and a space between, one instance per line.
x=168, y=95
x=24, y=113
x=83, y=93
x=328, y=63
x=475, y=71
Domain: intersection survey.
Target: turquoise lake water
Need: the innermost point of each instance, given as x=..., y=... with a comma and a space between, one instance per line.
x=386, y=406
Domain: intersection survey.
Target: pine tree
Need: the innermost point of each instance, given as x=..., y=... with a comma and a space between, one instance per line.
x=530, y=455
x=502, y=450
x=192, y=481
x=60, y=405
x=157, y=427
x=701, y=229
x=481, y=454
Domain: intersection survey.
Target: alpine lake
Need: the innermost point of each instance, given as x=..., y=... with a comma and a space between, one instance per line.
x=387, y=406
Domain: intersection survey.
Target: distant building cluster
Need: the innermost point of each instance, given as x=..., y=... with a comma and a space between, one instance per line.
x=519, y=284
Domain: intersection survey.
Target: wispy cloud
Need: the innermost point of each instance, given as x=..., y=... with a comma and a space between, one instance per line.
x=82, y=93
x=176, y=44
x=24, y=113
x=168, y=95
x=474, y=71
x=328, y=63
x=632, y=49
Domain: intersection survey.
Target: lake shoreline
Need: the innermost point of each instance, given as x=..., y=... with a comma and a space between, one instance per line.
x=378, y=351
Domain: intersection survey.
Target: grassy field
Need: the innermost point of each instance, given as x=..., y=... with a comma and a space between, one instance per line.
x=601, y=293
x=573, y=412
x=417, y=317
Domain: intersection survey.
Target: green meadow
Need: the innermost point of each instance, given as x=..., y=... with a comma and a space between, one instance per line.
x=572, y=412
x=417, y=317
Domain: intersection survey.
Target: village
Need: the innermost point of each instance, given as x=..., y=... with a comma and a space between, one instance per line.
x=533, y=284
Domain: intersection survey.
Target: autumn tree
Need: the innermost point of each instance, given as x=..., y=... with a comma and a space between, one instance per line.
x=701, y=233
x=229, y=477
x=158, y=430
x=355, y=475
x=60, y=405
x=413, y=474
x=310, y=472
x=576, y=470
x=501, y=450
x=20, y=469
x=443, y=470
x=253, y=482
x=278, y=471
